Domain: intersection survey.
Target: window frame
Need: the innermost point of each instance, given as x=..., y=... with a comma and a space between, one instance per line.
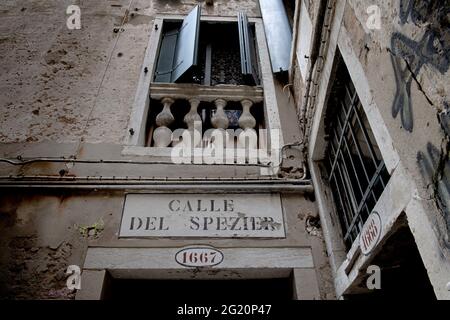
x=134, y=140
x=167, y=71
x=351, y=194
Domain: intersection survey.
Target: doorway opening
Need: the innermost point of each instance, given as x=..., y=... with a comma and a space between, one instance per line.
x=403, y=274
x=219, y=290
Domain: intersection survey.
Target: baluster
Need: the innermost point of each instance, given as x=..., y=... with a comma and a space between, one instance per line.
x=220, y=119
x=192, y=116
x=192, y=120
x=163, y=135
x=247, y=122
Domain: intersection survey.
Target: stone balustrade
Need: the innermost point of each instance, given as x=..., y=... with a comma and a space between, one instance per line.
x=218, y=97
x=163, y=136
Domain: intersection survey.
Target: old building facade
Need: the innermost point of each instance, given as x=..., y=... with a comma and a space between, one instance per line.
x=373, y=103
x=283, y=149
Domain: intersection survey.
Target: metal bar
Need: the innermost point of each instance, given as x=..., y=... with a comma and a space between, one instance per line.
x=248, y=188
x=350, y=232
x=351, y=161
x=243, y=42
x=342, y=164
x=342, y=136
x=344, y=206
x=369, y=189
x=208, y=64
x=351, y=206
x=359, y=152
x=155, y=180
x=350, y=191
x=382, y=181
x=344, y=216
x=366, y=136
x=372, y=152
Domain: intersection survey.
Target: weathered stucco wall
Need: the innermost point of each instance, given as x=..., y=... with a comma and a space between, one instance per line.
x=398, y=55
x=68, y=94
x=407, y=65
x=65, y=85
x=42, y=234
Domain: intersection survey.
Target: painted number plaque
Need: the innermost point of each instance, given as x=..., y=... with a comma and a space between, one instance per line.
x=199, y=257
x=370, y=233
x=203, y=215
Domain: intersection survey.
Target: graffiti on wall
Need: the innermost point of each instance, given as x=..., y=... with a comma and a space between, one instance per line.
x=430, y=49
x=434, y=165
x=410, y=55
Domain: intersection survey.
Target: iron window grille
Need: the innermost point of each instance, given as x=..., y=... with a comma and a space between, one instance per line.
x=356, y=171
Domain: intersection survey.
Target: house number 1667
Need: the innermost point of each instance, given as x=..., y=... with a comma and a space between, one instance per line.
x=199, y=257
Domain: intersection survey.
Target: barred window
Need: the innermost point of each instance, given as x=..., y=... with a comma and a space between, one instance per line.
x=356, y=170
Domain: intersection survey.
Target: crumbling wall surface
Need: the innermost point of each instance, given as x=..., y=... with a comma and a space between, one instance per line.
x=406, y=59
x=68, y=85
x=42, y=235
x=55, y=80
x=219, y=7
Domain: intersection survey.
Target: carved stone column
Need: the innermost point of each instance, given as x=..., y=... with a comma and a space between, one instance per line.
x=163, y=135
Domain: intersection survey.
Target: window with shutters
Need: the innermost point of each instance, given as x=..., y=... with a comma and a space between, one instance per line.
x=208, y=53
x=205, y=72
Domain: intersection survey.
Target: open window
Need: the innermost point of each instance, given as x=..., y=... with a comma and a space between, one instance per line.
x=221, y=53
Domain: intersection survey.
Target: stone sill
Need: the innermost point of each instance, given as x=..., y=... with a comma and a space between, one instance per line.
x=203, y=93
x=166, y=154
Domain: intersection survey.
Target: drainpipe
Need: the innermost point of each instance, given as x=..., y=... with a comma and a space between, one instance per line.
x=184, y=185
x=317, y=43
x=319, y=63
x=294, y=40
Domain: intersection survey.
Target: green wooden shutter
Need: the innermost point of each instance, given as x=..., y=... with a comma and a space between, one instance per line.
x=164, y=67
x=249, y=61
x=179, y=49
x=186, y=50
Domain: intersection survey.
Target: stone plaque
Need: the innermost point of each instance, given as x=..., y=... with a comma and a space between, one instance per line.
x=203, y=215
